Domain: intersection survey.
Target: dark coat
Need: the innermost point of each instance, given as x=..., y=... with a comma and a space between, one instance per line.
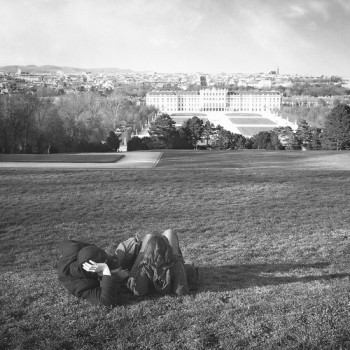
x=97, y=290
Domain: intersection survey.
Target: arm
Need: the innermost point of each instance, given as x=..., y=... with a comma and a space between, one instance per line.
x=139, y=284
x=103, y=292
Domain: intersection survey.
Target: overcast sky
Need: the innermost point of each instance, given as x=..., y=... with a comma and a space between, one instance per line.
x=248, y=36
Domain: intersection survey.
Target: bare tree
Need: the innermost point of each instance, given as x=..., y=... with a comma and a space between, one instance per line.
x=94, y=125
x=12, y=120
x=112, y=105
x=71, y=107
x=42, y=121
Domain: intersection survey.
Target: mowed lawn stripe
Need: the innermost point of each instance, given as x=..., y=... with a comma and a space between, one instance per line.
x=61, y=158
x=293, y=160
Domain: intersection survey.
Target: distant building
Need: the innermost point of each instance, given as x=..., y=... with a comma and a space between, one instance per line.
x=214, y=100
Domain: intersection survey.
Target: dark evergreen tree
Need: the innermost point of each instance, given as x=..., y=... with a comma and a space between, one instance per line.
x=275, y=141
x=194, y=130
x=163, y=130
x=262, y=140
x=137, y=143
x=208, y=131
x=222, y=139
x=336, y=131
x=181, y=140
x=238, y=141
x=316, y=139
x=303, y=135
x=286, y=138
x=113, y=141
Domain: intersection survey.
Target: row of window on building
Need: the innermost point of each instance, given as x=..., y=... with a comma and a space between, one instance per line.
x=220, y=100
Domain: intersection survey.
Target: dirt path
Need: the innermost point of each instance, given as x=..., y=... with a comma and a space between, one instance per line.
x=131, y=160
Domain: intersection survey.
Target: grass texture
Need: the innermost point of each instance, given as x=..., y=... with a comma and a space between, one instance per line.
x=272, y=245
x=250, y=131
x=252, y=121
x=62, y=158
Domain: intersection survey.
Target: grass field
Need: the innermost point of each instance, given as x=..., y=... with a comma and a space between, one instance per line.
x=62, y=158
x=242, y=114
x=250, y=131
x=271, y=239
x=252, y=121
x=190, y=115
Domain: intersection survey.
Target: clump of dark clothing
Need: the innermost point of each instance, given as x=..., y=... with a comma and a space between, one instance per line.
x=99, y=290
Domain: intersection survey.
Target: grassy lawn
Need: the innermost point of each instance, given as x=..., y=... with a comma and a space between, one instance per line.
x=250, y=131
x=252, y=121
x=257, y=159
x=62, y=158
x=187, y=114
x=272, y=244
x=241, y=114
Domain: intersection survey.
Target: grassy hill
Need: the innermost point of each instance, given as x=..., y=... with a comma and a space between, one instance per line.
x=271, y=242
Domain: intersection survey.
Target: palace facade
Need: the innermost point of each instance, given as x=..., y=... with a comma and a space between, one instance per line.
x=214, y=100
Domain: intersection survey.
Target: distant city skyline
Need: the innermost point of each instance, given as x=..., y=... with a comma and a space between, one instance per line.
x=306, y=37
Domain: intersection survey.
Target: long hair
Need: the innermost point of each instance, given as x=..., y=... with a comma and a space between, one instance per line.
x=158, y=252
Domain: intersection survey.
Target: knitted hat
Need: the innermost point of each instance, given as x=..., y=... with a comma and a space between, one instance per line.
x=93, y=253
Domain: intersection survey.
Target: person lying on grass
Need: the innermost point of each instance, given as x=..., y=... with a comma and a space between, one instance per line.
x=84, y=272
x=159, y=266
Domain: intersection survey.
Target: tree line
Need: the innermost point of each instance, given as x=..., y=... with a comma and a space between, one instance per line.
x=83, y=122
x=315, y=116
x=195, y=134
x=314, y=90
x=75, y=122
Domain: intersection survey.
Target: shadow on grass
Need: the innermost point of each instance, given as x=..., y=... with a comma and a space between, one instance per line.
x=231, y=277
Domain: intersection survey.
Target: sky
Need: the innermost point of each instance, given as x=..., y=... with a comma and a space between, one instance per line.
x=306, y=37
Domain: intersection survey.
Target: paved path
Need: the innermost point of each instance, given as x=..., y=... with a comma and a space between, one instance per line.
x=131, y=160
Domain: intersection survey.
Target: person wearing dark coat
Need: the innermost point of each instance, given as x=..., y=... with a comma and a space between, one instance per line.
x=83, y=271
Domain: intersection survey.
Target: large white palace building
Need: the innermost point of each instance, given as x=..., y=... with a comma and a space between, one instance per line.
x=214, y=100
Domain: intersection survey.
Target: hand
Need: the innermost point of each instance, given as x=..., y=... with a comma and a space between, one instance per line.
x=131, y=283
x=122, y=274
x=100, y=268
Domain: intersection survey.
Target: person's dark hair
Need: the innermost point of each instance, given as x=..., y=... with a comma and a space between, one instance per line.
x=93, y=253
x=157, y=252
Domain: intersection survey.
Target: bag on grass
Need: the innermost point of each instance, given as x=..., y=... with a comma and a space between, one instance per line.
x=192, y=276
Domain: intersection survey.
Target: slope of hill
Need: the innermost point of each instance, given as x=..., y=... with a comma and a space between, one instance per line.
x=271, y=245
